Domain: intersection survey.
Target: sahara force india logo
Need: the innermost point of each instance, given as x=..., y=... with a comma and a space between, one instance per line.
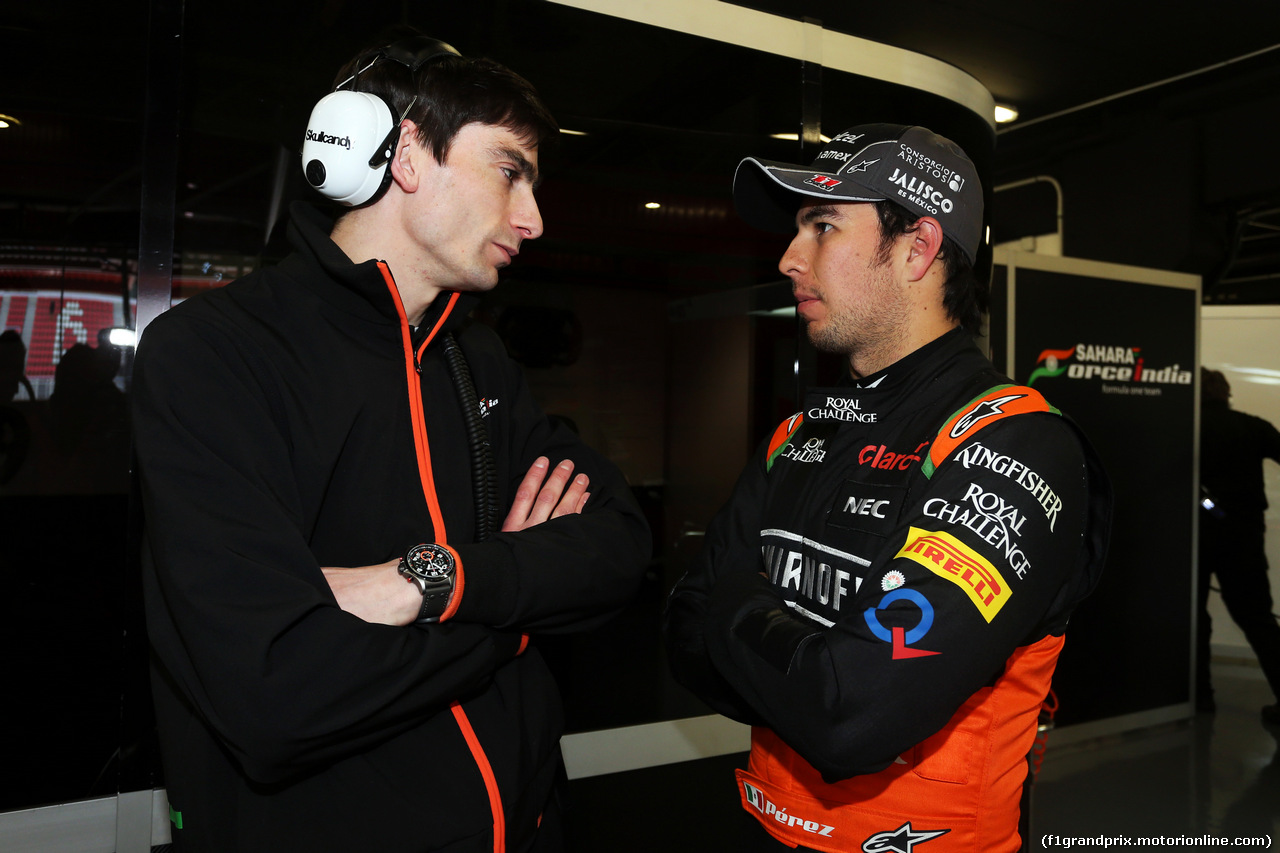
x=1107, y=363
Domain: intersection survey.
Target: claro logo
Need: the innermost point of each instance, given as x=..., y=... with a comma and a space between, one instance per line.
x=879, y=456
x=329, y=139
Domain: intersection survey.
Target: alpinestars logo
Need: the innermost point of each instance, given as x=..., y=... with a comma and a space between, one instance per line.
x=1107, y=363
x=901, y=840
x=985, y=409
x=861, y=165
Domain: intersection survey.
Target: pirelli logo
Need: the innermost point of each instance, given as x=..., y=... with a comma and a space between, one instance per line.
x=948, y=557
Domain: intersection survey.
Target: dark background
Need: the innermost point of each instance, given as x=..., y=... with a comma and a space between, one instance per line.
x=1129, y=646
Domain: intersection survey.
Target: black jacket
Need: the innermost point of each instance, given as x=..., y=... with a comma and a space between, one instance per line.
x=275, y=435
x=1232, y=447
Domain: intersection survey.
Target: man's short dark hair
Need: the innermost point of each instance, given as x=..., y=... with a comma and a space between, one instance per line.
x=451, y=92
x=964, y=297
x=1214, y=386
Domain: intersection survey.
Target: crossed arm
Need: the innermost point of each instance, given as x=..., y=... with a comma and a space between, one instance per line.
x=378, y=593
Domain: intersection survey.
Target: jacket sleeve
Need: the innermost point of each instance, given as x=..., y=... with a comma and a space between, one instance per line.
x=1269, y=439
x=992, y=553
x=567, y=574
x=239, y=613
x=730, y=547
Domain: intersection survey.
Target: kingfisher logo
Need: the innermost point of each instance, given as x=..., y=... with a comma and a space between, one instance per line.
x=948, y=557
x=329, y=139
x=824, y=182
x=1107, y=364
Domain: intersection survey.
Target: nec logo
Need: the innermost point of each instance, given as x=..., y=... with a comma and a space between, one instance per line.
x=824, y=182
x=329, y=139
x=866, y=506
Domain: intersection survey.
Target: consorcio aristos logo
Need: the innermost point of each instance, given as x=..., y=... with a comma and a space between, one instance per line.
x=1105, y=363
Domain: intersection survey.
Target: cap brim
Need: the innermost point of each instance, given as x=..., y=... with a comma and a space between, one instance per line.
x=767, y=193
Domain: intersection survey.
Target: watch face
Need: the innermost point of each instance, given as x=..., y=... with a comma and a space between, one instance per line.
x=429, y=561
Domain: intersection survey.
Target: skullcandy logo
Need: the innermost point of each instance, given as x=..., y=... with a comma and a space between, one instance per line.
x=329, y=139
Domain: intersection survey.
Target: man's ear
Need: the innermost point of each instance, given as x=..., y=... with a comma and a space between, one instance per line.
x=406, y=165
x=926, y=242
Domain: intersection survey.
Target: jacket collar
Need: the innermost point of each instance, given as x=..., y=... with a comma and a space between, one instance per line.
x=360, y=288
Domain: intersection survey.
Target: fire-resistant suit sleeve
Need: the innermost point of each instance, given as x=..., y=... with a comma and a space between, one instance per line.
x=991, y=553
x=239, y=612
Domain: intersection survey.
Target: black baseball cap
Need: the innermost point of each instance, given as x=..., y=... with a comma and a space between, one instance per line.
x=926, y=173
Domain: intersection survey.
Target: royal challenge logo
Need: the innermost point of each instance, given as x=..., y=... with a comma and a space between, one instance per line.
x=1120, y=370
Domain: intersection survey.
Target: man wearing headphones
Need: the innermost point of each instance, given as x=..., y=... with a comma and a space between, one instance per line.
x=356, y=515
x=884, y=596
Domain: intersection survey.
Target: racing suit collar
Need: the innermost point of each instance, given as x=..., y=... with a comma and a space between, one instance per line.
x=909, y=365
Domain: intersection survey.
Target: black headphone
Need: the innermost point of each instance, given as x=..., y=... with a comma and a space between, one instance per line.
x=352, y=135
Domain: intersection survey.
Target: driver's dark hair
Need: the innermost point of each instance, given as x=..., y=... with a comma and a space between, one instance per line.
x=964, y=297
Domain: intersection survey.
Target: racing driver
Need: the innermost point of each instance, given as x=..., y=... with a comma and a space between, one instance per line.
x=885, y=594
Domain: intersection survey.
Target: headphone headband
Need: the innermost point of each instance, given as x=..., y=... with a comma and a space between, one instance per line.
x=417, y=51
x=413, y=53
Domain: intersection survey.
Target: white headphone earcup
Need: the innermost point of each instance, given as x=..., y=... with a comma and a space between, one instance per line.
x=344, y=132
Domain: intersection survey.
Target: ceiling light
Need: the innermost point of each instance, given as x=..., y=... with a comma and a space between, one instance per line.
x=568, y=132
x=1005, y=113
x=795, y=137
x=8, y=121
x=652, y=205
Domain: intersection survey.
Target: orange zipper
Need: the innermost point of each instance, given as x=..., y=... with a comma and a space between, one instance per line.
x=423, y=449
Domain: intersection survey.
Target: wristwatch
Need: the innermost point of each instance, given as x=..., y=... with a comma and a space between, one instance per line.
x=432, y=568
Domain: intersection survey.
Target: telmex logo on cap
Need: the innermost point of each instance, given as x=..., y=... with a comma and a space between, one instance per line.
x=824, y=182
